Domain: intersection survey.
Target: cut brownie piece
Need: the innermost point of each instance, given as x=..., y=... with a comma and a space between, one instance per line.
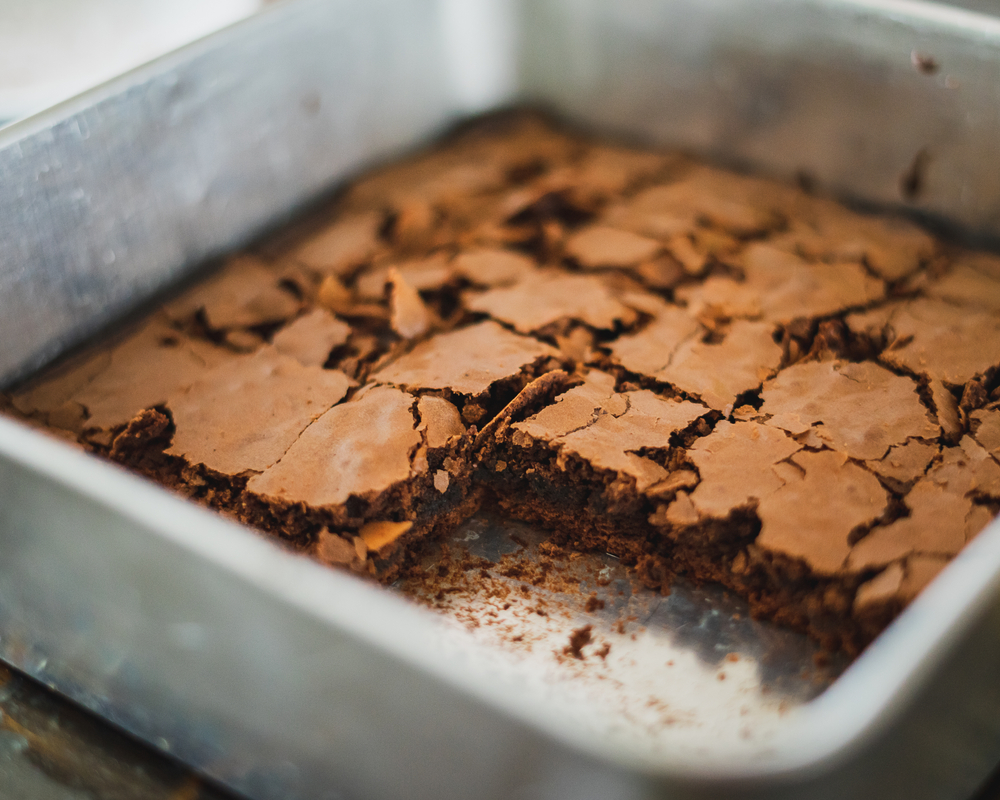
x=590, y=463
x=716, y=366
x=932, y=338
x=344, y=245
x=710, y=198
x=823, y=230
x=738, y=464
x=602, y=246
x=943, y=510
x=385, y=467
x=780, y=287
x=243, y=415
x=973, y=280
x=244, y=293
x=860, y=410
x=106, y=389
x=232, y=422
x=482, y=367
x=312, y=337
x=494, y=267
x=546, y=298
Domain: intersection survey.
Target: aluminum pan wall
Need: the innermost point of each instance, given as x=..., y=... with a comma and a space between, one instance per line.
x=826, y=89
x=111, y=196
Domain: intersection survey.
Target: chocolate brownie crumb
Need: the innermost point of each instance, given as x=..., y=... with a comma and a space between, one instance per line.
x=579, y=639
x=594, y=603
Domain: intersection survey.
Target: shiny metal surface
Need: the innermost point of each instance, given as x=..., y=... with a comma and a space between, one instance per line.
x=825, y=89
x=260, y=668
x=690, y=674
x=52, y=750
x=282, y=679
x=108, y=197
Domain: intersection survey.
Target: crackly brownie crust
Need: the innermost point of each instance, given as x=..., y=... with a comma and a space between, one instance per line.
x=701, y=372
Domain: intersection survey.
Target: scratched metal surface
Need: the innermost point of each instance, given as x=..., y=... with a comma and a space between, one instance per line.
x=110, y=196
x=691, y=671
x=51, y=750
x=283, y=679
x=817, y=88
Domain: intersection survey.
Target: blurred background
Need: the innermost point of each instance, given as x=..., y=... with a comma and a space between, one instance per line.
x=986, y=6
x=51, y=50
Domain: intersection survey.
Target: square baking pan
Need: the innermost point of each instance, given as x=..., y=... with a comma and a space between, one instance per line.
x=283, y=679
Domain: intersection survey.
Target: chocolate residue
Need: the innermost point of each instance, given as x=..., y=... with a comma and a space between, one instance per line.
x=579, y=639
x=914, y=180
x=924, y=63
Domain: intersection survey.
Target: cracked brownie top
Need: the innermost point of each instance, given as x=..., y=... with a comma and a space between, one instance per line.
x=701, y=370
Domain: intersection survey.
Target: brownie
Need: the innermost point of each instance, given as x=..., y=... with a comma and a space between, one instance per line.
x=700, y=372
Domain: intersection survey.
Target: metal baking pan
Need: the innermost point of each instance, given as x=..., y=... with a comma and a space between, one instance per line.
x=283, y=679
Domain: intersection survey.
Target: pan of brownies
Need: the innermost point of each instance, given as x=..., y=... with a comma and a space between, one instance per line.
x=652, y=349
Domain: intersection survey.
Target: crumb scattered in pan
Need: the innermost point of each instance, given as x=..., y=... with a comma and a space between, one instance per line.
x=578, y=639
x=594, y=603
x=913, y=182
x=924, y=63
